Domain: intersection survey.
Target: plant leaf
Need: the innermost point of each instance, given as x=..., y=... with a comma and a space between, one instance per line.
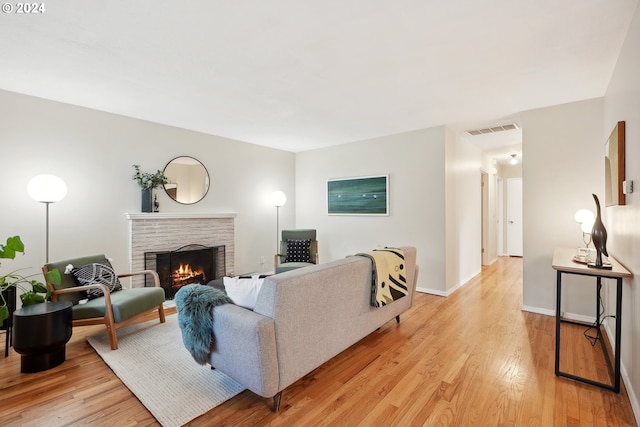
x=39, y=287
x=54, y=277
x=4, y=313
x=30, y=298
x=14, y=244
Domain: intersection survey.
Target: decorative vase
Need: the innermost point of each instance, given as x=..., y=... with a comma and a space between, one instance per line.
x=147, y=200
x=599, y=236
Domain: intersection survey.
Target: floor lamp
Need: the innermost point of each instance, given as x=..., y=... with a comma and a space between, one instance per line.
x=47, y=189
x=279, y=199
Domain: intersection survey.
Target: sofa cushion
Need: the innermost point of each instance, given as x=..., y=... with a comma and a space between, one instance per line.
x=97, y=272
x=298, y=251
x=243, y=291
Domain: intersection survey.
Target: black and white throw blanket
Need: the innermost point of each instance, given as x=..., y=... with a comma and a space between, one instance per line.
x=388, y=275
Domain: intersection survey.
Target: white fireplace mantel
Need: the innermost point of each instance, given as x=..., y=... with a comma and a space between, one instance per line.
x=179, y=215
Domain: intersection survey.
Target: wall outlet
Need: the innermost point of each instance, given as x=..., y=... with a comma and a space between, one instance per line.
x=261, y=259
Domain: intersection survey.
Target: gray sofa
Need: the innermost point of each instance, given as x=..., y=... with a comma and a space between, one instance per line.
x=302, y=318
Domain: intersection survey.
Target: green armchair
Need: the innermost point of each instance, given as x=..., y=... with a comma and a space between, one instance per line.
x=114, y=310
x=298, y=248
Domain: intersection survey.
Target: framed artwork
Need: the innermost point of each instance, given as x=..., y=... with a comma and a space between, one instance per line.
x=614, y=167
x=367, y=195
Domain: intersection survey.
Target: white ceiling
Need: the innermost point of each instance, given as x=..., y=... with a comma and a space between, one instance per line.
x=303, y=74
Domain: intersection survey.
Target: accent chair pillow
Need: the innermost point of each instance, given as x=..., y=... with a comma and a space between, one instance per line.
x=97, y=272
x=298, y=251
x=243, y=291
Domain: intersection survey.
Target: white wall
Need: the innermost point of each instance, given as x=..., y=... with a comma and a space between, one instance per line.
x=415, y=163
x=622, y=102
x=435, y=202
x=463, y=214
x=563, y=154
x=94, y=153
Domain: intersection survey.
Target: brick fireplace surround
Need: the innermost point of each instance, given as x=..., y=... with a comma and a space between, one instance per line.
x=167, y=231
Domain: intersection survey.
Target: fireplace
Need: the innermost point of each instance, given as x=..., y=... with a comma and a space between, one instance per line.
x=186, y=265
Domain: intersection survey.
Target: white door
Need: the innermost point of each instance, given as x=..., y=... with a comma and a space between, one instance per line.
x=514, y=216
x=500, y=215
x=485, y=218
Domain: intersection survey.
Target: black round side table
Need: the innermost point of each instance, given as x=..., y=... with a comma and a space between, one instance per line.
x=40, y=333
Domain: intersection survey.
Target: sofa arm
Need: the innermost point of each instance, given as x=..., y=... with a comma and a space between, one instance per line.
x=245, y=348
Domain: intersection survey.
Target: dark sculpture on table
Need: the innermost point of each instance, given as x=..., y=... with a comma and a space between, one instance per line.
x=599, y=237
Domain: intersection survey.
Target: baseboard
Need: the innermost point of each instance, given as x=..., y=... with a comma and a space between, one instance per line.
x=538, y=310
x=568, y=316
x=455, y=288
x=448, y=292
x=633, y=397
x=430, y=291
x=577, y=317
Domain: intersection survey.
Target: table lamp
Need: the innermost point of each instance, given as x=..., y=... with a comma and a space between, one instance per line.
x=586, y=219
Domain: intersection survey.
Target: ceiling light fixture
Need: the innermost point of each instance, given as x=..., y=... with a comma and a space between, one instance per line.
x=513, y=160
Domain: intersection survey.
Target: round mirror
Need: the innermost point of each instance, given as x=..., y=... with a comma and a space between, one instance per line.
x=188, y=180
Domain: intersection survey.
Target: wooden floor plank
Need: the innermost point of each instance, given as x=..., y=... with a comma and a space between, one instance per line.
x=471, y=359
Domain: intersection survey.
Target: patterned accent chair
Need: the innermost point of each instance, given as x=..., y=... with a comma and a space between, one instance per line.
x=298, y=248
x=112, y=309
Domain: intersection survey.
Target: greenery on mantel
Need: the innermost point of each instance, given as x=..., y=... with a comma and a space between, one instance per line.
x=147, y=180
x=34, y=292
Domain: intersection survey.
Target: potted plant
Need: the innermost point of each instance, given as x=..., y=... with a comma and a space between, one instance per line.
x=33, y=292
x=147, y=182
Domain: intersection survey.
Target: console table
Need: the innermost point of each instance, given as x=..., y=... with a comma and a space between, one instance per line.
x=563, y=263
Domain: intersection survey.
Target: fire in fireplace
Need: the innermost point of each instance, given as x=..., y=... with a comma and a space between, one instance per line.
x=186, y=265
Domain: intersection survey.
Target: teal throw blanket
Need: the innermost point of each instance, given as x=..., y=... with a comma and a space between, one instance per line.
x=195, y=318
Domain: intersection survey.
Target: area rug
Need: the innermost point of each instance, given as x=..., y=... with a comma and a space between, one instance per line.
x=154, y=364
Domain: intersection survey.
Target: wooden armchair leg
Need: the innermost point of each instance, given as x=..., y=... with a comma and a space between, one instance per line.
x=161, y=313
x=113, y=337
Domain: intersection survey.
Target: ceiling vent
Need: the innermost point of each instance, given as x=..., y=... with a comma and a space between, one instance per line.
x=494, y=129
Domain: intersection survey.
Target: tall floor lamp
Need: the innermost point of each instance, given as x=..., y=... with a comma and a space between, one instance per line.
x=47, y=189
x=279, y=199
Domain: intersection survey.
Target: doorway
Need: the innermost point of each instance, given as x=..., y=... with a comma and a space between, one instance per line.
x=500, y=215
x=485, y=255
x=514, y=216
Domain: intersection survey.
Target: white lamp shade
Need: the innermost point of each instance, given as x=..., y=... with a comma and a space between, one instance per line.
x=586, y=227
x=278, y=198
x=47, y=188
x=586, y=218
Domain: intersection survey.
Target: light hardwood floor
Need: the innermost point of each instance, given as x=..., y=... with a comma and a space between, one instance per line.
x=472, y=359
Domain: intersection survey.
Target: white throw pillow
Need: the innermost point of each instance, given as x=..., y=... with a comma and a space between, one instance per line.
x=243, y=291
